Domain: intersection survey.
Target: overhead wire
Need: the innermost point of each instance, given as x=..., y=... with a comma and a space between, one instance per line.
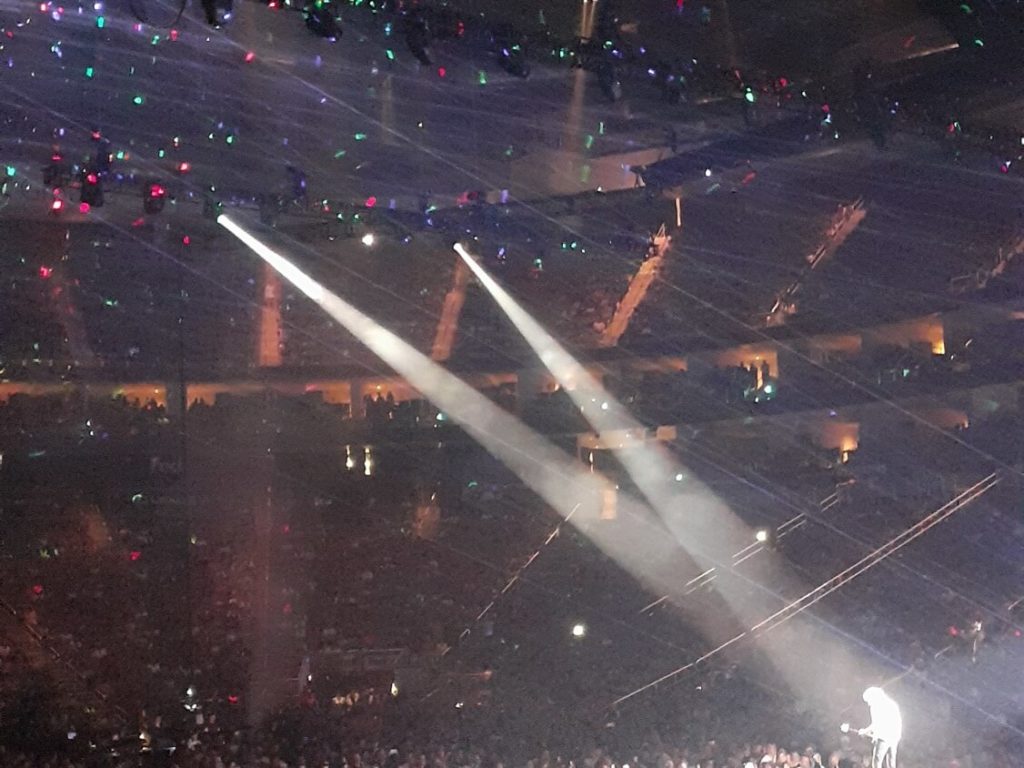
x=842, y=578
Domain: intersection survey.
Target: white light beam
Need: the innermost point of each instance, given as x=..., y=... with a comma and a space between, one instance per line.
x=699, y=521
x=640, y=547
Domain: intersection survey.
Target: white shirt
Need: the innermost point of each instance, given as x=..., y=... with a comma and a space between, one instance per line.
x=886, y=720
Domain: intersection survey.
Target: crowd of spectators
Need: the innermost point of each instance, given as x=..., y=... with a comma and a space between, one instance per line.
x=372, y=564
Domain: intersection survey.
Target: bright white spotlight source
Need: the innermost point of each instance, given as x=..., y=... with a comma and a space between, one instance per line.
x=579, y=630
x=293, y=274
x=761, y=535
x=369, y=239
x=886, y=728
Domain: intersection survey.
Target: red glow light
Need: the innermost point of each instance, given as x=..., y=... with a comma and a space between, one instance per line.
x=232, y=699
x=371, y=201
x=184, y=167
x=186, y=240
x=134, y=555
x=953, y=632
x=45, y=272
x=155, y=190
x=92, y=178
x=37, y=589
x=83, y=207
x=441, y=71
x=250, y=57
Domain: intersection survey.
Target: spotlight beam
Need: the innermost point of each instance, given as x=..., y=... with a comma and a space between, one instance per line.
x=803, y=656
x=697, y=519
x=640, y=547
x=710, y=532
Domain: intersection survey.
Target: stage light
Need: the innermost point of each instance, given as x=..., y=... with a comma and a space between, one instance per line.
x=761, y=535
x=54, y=172
x=91, y=192
x=212, y=207
x=154, y=195
x=368, y=239
x=293, y=274
x=579, y=630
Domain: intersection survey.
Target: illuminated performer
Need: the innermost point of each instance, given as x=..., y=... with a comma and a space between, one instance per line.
x=885, y=729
